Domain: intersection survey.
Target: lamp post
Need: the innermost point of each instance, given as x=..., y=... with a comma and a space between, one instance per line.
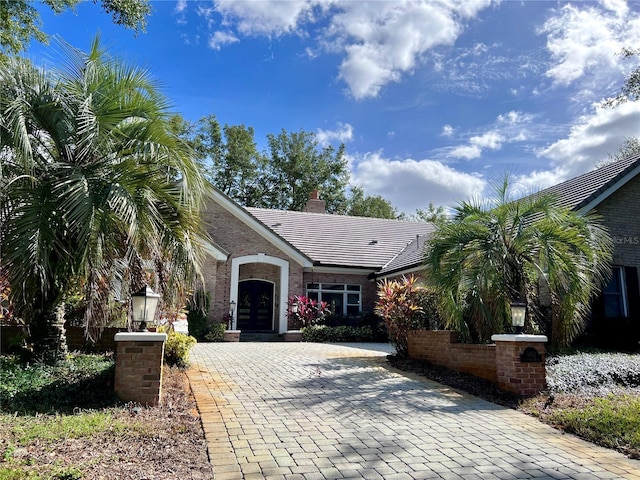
x=232, y=310
x=518, y=314
x=144, y=304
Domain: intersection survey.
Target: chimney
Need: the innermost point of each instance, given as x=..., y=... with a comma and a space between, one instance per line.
x=314, y=204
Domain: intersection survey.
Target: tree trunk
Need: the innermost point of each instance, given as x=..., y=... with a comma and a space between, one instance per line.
x=48, y=335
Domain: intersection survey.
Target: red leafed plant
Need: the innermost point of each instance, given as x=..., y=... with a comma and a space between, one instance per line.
x=399, y=304
x=304, y=311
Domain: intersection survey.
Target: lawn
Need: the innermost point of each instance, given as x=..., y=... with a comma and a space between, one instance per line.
x=65, y=423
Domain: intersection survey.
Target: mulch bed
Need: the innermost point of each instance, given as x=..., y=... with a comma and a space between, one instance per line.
x=170, y=445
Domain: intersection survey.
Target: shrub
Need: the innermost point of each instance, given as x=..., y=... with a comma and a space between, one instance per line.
x=216, y=333
x=325, y=334
x=304, y=311
x=197, y=315
x=177, y=348
x=398, y=303
x=428, y=317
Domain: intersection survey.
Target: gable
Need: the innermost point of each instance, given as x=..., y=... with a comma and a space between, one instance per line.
x=236, y=230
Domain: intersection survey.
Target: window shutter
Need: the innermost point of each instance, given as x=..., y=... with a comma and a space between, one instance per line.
x=633, y=292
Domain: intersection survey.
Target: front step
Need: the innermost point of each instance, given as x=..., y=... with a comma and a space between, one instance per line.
x=260, y=337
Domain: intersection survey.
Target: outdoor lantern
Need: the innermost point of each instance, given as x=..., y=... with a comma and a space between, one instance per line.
x=144, y=304
x=232, y=309
x=518, y=312
x=294, y=307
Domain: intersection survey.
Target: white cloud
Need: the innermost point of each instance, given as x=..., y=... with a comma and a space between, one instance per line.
x=466, y=152
x=220, y=39
x=509, y=127
x=593, y=137
x=343, y=134
x=584, y=41
x=267, y=17
x=410, y=184
x=447, y=131
x=538, y=180
x=619, y=7
x=384, y=40
x=380, y=41
x=181, y=6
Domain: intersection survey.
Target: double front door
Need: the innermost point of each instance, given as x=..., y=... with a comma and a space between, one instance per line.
x=255, y=306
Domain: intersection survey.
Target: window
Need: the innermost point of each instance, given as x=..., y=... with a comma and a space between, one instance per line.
x=342, y=299
x=614, y=295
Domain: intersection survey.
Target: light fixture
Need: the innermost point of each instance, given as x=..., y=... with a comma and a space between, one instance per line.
x=518, y=314
x=232, y=310
x=294, y=307
x=144, y=304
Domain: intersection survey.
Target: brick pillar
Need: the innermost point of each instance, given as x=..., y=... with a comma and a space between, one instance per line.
x=520, y=363
x=139, y=358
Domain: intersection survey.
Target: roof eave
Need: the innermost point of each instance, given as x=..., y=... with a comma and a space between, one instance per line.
x=608, y=189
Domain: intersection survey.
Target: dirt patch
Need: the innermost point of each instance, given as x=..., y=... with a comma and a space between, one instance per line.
x=164, y=442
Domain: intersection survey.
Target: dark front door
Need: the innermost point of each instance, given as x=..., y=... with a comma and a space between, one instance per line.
x=255, y=306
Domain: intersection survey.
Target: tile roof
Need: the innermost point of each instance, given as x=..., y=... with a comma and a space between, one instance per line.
x=391, y=246
x=409, y=257
x=341, y=240
x=575, y=193
x=581, y=191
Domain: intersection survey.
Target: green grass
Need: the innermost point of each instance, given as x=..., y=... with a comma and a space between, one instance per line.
x=612, y=421
x=84, y=381
x=56, y=473
x=46, y=404
x=60, y=427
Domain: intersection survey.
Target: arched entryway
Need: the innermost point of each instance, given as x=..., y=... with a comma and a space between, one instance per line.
x=255, y=305
x=281, y=287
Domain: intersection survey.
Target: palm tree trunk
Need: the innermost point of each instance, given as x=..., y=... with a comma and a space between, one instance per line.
x=48, y=335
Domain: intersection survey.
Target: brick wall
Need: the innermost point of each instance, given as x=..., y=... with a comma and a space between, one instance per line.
x=139, y=359
x=75, y=339
x=441, y=347
x=500, y=363
x=620, y=213
x=513, y=375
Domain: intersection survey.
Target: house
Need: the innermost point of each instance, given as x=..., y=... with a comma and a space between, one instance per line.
x=262, y=257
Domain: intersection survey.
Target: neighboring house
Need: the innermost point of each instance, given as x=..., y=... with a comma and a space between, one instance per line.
x=613, y=192
x=262, y=257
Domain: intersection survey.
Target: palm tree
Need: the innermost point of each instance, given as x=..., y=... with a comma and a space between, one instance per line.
x=93, y=186
x=490, y=254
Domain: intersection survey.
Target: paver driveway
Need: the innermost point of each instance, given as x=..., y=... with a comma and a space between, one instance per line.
x=314, y=411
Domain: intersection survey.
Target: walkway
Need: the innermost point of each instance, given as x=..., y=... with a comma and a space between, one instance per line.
x=310, y=411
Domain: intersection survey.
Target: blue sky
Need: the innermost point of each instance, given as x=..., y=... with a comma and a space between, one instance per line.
x=434, y=100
